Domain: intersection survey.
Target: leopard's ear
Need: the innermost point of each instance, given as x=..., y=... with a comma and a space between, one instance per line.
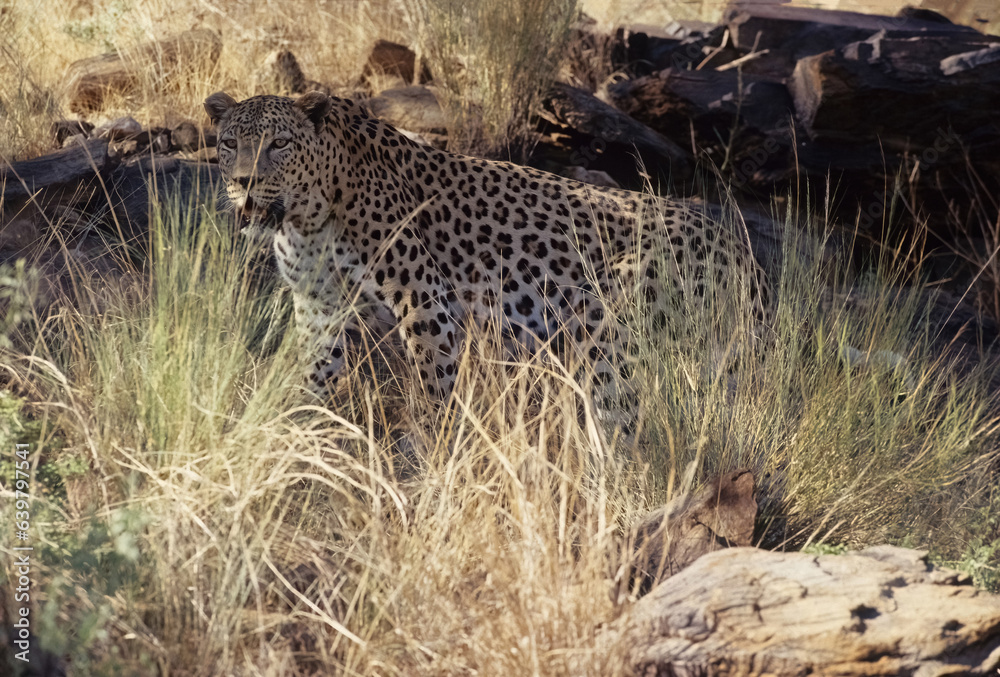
x=315, y=105
x=218, y=106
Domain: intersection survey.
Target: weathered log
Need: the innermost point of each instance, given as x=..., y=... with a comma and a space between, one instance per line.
x=899, y=91
x=743, y=611
x=586, y=113
x=137, y=185
x=782, y=35
x=89, y=81
x=92, y=180
x=609, y=140
x=671, y=100
x=781, y=26
x=74, y=167
x=641, y=53
x=743, y=122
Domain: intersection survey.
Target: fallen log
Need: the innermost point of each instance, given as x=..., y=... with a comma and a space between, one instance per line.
x=899, y=91
x=94, y=180
x=781, y=35
x=743, y=611
x=90, y=81
x=671, y=100
x=607, y=139
x=138, y=187
x=781, y=26
x=74, y=168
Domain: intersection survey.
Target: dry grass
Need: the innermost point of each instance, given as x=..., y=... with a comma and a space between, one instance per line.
x=196, y=514
x=268, y=537
x=203, y=517
x=39, y=41
x=977, y=221
x=492, y=60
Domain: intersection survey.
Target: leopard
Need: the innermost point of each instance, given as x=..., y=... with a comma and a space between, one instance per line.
x=435, y=242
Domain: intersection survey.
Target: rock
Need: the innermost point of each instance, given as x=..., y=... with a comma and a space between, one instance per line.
x=66, y=129
x=720, y=515
x=395, y=61
x=744, y=611
x=89, y=81
x=117, y=129
x=413, y=108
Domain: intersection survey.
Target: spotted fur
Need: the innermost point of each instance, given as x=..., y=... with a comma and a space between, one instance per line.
x=439, y=240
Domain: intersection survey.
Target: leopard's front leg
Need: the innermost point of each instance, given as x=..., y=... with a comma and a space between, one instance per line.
x=323, y=342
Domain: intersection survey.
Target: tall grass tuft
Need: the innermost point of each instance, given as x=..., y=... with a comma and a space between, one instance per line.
x=27, y=107
x=492, y=61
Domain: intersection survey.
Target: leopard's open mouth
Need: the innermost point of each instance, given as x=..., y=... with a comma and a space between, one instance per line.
x=264, y=216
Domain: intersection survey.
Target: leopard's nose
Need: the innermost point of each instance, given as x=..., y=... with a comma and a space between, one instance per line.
x=243, y=181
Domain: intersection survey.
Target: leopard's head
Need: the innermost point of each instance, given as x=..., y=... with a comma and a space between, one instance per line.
x=272, y=156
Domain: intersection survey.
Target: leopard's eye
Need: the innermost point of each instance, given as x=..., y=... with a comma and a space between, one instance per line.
x=229, y=143
x=279, y=143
